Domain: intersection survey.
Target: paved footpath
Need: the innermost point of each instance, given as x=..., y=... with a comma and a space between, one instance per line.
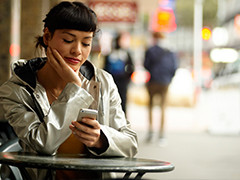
x=195, y=142
x=196, y=156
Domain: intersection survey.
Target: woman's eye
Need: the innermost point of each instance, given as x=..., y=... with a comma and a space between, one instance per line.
x=86, y=44
x=67, y=41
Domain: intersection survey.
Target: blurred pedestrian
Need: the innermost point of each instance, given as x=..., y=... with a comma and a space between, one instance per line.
x=119, y=63
x=161, y=64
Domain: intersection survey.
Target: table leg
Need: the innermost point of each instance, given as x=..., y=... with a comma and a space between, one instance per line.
x=127, y=175
x=139, y=175
x=24, y=173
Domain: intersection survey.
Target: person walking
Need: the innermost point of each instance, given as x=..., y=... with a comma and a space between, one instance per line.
x=161, y=64
x=120, y=65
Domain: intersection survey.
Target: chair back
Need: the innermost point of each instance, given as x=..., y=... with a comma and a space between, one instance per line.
x=11, y=146
x=10, y=172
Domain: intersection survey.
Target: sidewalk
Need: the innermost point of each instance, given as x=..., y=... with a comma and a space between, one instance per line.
x=196, y=156
x=196, y=153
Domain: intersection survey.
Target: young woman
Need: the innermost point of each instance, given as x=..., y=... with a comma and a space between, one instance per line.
x=42, y=99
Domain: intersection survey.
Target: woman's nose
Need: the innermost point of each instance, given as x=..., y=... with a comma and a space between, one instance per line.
x=76, y=49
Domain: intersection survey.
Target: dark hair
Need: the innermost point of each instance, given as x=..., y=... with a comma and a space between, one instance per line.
x=69, y=15
x=117, y=41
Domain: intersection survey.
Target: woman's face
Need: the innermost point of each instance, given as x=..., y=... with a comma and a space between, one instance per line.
x=74, y=46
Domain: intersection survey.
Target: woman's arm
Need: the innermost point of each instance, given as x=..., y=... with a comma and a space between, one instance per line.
x=43, y=137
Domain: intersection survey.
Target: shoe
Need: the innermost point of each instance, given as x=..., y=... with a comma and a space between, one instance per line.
x=149, y=137
x=162, y=142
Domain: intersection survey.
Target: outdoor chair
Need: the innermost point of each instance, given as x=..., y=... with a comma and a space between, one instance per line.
x=10, y=172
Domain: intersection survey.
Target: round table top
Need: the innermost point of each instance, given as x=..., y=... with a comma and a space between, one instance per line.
x=83, y=162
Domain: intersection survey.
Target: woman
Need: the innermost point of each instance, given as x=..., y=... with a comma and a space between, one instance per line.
x=43, y=97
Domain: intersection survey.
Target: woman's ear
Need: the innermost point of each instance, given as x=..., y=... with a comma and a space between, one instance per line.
x=46, y=36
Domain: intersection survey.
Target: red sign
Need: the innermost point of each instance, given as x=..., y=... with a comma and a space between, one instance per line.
x=163, y=20
x=237, y=22
x=114, y=11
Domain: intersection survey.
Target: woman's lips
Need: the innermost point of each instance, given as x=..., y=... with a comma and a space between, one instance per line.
x=72, y=60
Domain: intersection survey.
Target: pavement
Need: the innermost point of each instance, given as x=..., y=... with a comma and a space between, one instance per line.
x=202, y=141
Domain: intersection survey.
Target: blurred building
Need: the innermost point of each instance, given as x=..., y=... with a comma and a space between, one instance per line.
x=21, y=21
x=224, y=47
x=5, y=19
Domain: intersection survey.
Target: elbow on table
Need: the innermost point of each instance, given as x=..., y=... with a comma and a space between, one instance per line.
x=36, y=148
x=134, y=150
x=46, y=151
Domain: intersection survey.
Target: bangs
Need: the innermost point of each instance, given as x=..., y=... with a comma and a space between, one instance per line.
x=71, y=16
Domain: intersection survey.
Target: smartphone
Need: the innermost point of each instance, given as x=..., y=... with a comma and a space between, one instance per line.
x=90, y=113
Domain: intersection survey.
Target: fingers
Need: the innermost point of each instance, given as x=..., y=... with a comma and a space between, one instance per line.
x=51, y=59
x=61, y=67
x=59, y=58
x=55, y=58
x=88, y=132
x=87, y=125
x=91, y=122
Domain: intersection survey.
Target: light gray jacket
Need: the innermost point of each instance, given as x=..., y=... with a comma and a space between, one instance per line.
x=98, y=92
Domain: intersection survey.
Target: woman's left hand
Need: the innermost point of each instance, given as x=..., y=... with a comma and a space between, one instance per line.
x=88, y=132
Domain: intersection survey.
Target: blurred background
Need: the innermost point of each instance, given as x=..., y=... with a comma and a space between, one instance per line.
x=203, y=117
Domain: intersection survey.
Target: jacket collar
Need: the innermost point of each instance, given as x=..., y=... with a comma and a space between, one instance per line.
x=87, y=70
x=27, y=72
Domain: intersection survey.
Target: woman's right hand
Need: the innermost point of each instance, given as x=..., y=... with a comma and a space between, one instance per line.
x=62, y=68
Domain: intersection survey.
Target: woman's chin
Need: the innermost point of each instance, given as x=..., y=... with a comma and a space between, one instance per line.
x=74, y=68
